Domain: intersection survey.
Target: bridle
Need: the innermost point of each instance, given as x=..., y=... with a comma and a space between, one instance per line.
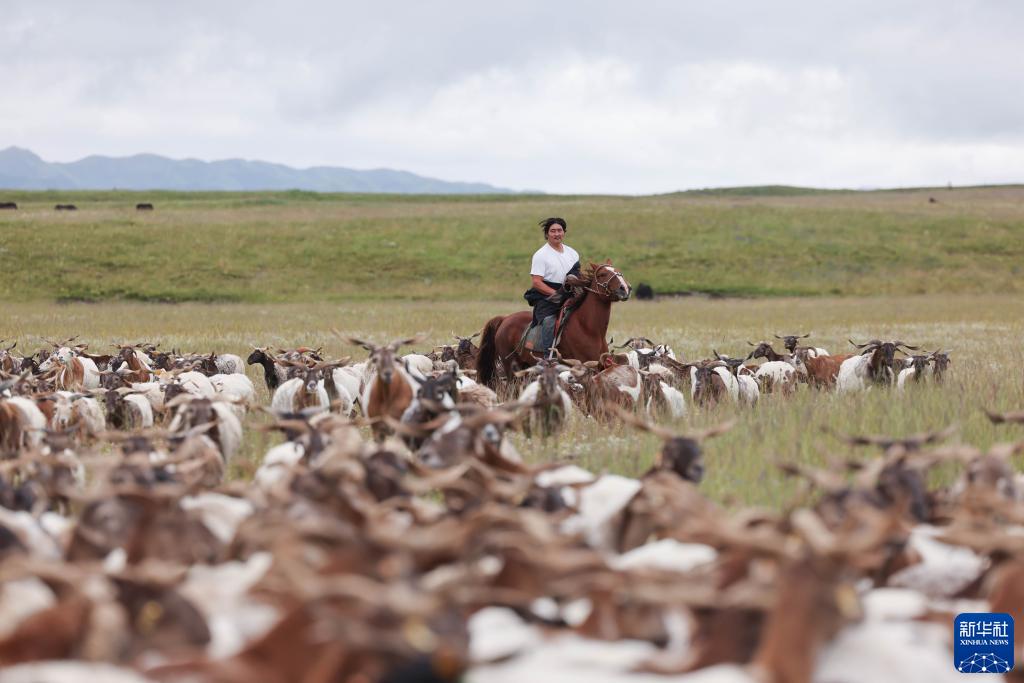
x=605, y=287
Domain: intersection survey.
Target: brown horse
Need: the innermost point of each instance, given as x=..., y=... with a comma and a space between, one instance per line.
x=584, y=335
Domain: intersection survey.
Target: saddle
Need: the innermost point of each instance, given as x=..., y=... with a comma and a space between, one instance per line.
x=532, y=336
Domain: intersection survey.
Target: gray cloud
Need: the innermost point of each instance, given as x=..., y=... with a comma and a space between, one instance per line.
x=573, y=96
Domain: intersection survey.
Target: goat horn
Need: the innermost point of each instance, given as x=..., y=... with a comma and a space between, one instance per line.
x=642, y=424
x=397, y=343
x=1000, y=418
x=493, y=416
x=712, y=432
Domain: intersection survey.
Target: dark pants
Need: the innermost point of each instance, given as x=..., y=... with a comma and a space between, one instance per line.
x=545, y=314
x=544, y=308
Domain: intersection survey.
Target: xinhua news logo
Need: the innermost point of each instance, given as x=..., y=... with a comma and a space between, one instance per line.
x=983, y=643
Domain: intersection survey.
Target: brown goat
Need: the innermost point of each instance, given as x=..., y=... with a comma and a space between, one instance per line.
x=135, y=369
x=466, y=351
x=821, y=371
x=388, y=392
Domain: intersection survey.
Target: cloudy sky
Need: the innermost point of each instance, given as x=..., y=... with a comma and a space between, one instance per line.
x=563, y=96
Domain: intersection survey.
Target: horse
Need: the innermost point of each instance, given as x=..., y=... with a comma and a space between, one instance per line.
x=582, y=339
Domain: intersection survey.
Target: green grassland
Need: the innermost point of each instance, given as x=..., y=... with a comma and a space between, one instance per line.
x=307, y=247
x=982, y=331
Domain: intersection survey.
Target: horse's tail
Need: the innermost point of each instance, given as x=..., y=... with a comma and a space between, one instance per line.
x=488, y=356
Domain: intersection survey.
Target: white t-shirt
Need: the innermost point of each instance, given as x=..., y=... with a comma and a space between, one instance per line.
x=551, y=265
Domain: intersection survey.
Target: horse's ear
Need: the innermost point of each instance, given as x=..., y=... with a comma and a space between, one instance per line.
x=607, y=261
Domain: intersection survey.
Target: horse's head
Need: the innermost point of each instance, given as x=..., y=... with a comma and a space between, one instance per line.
x=607, y=281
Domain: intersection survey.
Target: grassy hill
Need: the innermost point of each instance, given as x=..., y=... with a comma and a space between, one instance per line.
x=300, y=246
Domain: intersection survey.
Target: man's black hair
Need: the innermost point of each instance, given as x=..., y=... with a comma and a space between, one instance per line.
x=548, y=222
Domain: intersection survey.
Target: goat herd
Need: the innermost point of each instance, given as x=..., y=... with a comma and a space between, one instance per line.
x=433, y=552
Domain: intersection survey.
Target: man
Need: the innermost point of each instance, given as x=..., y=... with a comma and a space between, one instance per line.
x=552, y=265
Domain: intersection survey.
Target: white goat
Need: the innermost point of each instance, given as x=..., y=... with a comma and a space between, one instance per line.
x=418, y=362
x=21, y=423
x=229, y=364
x=549, y=405
x=73, y=371
x=746, y=385
x=661, y=393
x=749, y=392
x=873, y=365
x=129, y=408
x=235, y=386
x=732, y=386
x=776, y=375
x=192, y=412
x=194, y=383
x=306, y=391
x=71, y=409
x=915, y=369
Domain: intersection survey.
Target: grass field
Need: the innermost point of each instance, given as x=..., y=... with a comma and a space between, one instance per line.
x=295, y=246
x=982, y=331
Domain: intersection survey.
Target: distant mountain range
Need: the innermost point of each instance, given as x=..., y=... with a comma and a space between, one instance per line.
x=21, y=169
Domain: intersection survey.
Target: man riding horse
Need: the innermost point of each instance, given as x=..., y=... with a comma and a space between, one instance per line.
x=556, y=275
x=552, y=264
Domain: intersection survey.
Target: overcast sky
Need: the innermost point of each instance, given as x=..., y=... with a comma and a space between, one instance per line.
x=561, y=96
